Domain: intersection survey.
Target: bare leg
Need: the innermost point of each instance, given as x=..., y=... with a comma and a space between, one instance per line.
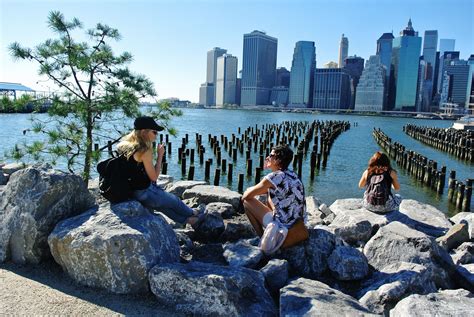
x=255, y=211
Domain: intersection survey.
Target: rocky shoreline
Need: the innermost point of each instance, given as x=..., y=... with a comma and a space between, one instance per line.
x=412, y=262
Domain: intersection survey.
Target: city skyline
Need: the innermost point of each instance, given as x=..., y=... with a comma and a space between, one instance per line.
x=169, y=43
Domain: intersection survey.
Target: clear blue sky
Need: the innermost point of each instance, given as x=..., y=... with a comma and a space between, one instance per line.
x=169, y=39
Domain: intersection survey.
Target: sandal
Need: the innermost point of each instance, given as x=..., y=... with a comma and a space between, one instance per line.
x=200, y=219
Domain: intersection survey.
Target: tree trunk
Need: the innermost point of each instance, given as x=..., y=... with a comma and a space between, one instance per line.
x=88, y=154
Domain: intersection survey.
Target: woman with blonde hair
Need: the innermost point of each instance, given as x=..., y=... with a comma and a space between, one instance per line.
x=137, y=147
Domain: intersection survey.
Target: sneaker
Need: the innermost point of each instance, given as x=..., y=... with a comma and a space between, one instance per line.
x=199, y=210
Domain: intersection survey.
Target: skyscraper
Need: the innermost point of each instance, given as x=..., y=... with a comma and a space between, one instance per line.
x=405, y=60
x=331, y=89
x=470, y=86
x=444, y=60
x=226, y=80
x=371, y=89
x=343, y=50
x=207, y=93
x=282, y=77
x=430, y=44
x=259, y=68
x=458, y=72
x=354, y=65
x=384, y=50
x=302, y=74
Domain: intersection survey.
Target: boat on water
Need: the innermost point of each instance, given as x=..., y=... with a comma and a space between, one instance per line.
x=464, y=123
x=424, y=116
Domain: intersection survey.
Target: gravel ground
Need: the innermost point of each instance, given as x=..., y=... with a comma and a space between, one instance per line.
x=46, y=290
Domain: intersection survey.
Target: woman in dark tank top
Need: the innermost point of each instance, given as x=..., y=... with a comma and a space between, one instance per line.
x=138, y=149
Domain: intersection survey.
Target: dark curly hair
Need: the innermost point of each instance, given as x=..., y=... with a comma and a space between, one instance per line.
x=283, y=155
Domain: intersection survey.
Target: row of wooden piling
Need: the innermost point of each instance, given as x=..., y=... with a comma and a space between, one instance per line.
x=253, y=144
x=458, y=143
x=426, y=171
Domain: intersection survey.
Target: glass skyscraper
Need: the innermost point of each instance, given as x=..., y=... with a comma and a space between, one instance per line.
x=371, y=89
x=302, y=74
x=430, y=45
x=354, y=65
x=405, y=60
x=343, y=50
x=384, y=50
x=258, y=68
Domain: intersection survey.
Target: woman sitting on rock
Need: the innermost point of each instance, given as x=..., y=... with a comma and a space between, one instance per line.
x=137, y=146
x=287, y=200
x=378, y=179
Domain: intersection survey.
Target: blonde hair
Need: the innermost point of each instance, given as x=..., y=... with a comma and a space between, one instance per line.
x=134, y=142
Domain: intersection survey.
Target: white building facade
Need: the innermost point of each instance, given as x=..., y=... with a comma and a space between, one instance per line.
x=371, y=88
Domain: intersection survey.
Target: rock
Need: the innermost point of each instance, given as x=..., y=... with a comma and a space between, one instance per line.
x=309, y=259
x=276, y=274
x=467, y=272
x=208, y=194
x=443, y=303
x=237, y=228
x=33, y=202
x=353, y=222
x=184, y=241
x=202, y=289
x=397, y=242
x=242, y=254
x=192, y=202
x=465, y=217
x=315, y=216
x=422, y=217
x=93, y=188
x=178, y=188
x=114, y=247
x=12, y=168
x=2, y=189
x=208, y=253
x=3, y=178
x=164, y=180
x=304, y=297
x=226, y=210
x=464, y=254
x=211, y=228
x=457, y=235
x=395, y=281
x=348, y=264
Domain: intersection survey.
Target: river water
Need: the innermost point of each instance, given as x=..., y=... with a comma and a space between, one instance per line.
x=347, y=160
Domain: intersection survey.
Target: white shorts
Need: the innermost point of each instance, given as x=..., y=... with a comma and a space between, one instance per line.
x=267, y=219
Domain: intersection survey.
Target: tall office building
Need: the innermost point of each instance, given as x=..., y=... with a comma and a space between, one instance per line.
x=446, y=45
x=258, y=68
x=282, y=77
x=207, y=93
x=458, y=83
x=302, y=74
x=430, y=45
x=470, y=86
x=343, y=50
x=226, y=80
x=331, y=89
x=279, y=96
x=371, y=89
x=354, y=65
x=405, y=61
x=384, y=50
x=444, y=60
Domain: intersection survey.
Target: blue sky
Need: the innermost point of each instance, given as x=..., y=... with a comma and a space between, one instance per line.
x=169, y=39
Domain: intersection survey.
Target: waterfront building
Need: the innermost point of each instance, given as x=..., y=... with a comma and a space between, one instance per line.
x=371, y=89
x=331, y=89
x=206, y=94
x=430, y=45
x=446, y=45
x=405, y=61
x=457, y=86
x=343, y=50
x=282, y=77
x=279, y=96
x=226, y=80
x=354, y=65
x=302, y=74
x=238, y=89
x=330, y=64
x=445, y=59
x=258, y=68
x=384, y=50
x=422, y=87
x=470, y=86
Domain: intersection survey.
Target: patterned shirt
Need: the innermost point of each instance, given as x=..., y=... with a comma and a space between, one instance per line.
x=287, y=196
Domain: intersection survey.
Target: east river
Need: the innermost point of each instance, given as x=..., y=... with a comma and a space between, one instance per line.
x=347, y=160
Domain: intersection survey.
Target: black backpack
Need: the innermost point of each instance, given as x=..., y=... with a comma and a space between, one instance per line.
x=378, y=189
x=114, y=179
